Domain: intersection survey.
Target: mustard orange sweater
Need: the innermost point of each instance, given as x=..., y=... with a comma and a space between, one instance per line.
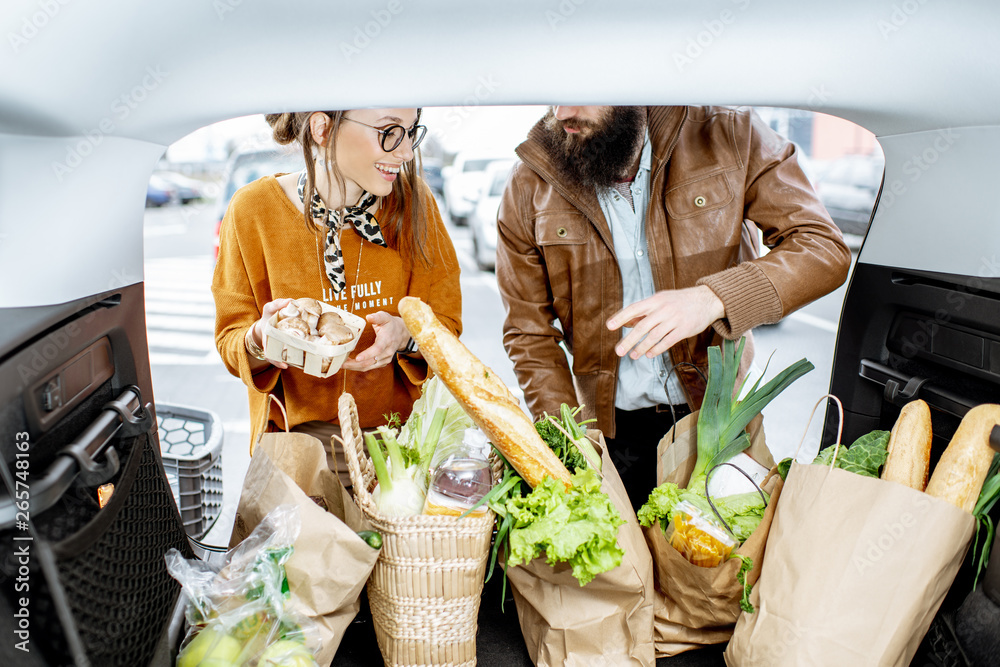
x=266, y=253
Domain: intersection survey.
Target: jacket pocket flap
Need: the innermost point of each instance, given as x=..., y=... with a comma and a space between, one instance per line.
x=705, y=194
x=560, y=228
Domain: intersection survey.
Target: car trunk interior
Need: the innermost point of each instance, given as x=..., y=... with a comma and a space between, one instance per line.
x=75, y=385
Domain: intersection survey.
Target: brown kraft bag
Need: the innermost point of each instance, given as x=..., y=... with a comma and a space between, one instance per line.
x=607, y=622
x=698, y=606
x=330, y=562
x=856, y=568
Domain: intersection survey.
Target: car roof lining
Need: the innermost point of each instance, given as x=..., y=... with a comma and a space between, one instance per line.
x=892, y=68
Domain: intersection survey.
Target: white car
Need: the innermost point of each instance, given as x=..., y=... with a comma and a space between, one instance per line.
x=92, y=93
x=483, y=221
x=463, y=184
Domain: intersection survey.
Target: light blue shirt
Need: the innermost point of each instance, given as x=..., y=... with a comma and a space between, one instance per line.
x=643, y=382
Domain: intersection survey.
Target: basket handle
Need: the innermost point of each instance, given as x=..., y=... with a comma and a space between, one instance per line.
x=351, y=440
x=840, y=427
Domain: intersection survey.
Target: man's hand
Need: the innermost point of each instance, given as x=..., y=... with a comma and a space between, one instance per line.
x=666, y=318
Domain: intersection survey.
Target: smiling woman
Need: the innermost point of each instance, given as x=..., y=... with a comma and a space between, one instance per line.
x=372, y=234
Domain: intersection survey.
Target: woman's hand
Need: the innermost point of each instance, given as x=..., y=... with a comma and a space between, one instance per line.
x=390, y=337
x=269, y=310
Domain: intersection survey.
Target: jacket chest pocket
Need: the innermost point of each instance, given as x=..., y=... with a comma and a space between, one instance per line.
x=565, y=240
x=701, y=196
x=561, y=228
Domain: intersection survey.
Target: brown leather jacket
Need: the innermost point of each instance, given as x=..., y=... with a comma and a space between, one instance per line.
x=713, y=169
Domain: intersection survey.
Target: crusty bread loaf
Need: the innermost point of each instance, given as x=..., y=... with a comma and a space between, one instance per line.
x=909, y=458
x=487, y=400
x=959, y=475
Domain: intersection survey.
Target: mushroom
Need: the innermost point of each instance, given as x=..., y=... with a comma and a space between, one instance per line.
x=338, y=334
x=291, y=310
x=311, y=310
x=294, y=326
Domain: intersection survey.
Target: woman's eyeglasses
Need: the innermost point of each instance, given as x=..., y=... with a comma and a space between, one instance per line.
x=392, y=136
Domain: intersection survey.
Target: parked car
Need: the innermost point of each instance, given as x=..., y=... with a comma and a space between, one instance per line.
x=160, y=191
x=463, y=183
x=432, y=174
x=483, y=221
x=79, y=140
x=849, y=187
x=188, y=189
x=246, y=166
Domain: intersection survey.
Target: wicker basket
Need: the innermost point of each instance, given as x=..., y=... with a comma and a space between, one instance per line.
x=427, y=583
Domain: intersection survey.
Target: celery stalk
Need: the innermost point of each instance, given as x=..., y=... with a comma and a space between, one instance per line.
x=378, y=460
x=395, y=453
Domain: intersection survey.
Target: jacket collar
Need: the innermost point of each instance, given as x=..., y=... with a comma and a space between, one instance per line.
x=663, y=125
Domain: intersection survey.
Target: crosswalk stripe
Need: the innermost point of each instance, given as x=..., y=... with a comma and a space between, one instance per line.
x=179, y=323
x=180, y=307
x=180, y=311
x=189, y=293
x=174, y=340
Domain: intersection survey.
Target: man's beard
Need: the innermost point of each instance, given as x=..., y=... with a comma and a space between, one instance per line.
x=603, y=152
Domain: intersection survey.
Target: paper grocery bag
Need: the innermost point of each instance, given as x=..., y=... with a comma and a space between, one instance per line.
x=856, y=568
x=607, y=622
x=697, y=606
x=330, y=562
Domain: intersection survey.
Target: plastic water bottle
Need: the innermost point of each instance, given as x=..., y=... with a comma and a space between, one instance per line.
x=460, y=476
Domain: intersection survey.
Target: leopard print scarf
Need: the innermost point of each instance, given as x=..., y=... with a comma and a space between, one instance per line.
x=358, y=216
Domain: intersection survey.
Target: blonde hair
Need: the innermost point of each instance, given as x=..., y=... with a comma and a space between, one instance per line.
x=407, y=194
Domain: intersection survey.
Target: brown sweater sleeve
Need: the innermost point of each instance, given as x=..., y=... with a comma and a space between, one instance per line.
x=236, y=305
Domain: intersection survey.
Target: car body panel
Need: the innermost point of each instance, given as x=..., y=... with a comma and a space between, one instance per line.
x=932, y=190
x=150, y=93
x=91, y=95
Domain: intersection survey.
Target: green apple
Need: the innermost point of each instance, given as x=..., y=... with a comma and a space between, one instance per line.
x=286, y=653
x=210, y=648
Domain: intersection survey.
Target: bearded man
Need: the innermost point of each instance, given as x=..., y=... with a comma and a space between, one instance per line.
x=628, y=244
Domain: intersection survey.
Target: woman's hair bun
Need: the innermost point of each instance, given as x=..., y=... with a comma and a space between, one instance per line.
x=284, y=126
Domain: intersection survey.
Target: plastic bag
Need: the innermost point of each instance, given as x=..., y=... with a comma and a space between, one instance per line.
x=699, y=537
x=242, y=614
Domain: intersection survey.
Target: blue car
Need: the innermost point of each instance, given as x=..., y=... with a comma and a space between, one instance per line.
x=159, y=192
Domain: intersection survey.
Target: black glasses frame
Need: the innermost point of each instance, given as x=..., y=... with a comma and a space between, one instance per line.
x=415, y=133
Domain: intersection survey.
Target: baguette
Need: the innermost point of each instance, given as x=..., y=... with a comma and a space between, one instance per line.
x=909, y=457
x=959, y=475
x=484, y=397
